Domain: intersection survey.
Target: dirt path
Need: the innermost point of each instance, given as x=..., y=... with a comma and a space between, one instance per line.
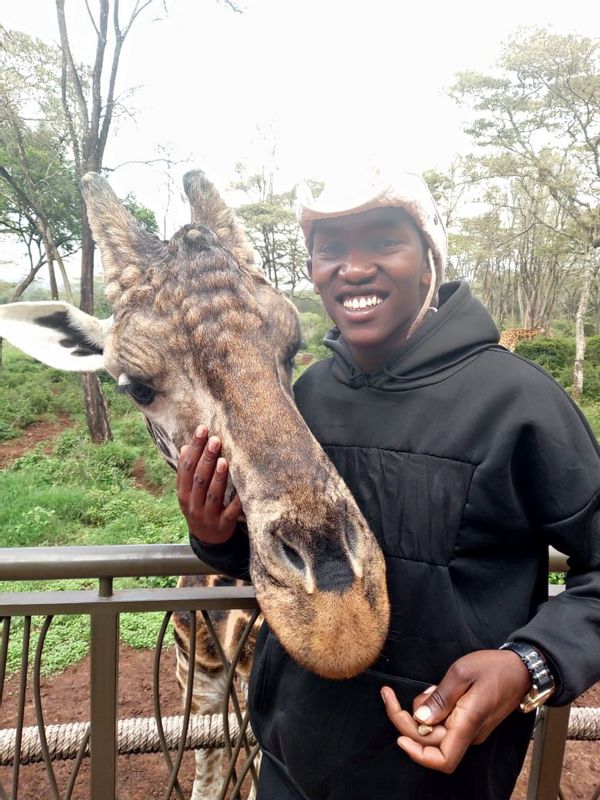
x=35, y=433
x=65, y=698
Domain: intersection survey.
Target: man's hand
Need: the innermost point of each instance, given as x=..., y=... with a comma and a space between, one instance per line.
x=476, y=694
x=201, y=486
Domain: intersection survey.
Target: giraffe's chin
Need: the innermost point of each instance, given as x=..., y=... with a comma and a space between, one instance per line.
x=336, y=635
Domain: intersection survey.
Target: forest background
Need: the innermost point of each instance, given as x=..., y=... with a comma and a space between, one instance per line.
x=521, y=205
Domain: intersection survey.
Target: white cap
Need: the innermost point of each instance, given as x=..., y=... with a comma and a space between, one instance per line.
x=356, y=193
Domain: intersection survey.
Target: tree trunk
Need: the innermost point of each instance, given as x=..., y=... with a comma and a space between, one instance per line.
x=65, y=278
x=27, y=281
x=52, y=274
x=588, y=277
x=96, y=411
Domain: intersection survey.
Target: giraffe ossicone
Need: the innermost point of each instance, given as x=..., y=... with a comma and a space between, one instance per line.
x=199, y=335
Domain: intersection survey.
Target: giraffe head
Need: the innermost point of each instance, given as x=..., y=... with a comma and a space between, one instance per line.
x=199, y=335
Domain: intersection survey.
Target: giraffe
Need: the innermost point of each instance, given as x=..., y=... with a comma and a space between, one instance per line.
x=511, y=338
x=199, y=335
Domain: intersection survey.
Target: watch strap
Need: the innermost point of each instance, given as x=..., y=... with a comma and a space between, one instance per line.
x=543, y=684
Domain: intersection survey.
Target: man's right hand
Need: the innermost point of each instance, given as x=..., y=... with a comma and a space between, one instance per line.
x=201, y=486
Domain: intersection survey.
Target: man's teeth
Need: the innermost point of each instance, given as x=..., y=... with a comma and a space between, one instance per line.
x=361, y=302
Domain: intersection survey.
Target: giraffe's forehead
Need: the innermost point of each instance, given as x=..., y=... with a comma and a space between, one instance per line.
x=178, y=311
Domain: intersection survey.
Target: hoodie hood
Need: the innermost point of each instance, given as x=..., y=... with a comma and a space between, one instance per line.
x=445, y=342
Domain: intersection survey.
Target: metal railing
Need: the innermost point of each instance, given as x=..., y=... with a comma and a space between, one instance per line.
x=103, y=606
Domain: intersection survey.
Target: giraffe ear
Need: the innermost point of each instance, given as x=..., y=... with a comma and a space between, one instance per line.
x=125, y=246
x=57, y=334
x=209, y=209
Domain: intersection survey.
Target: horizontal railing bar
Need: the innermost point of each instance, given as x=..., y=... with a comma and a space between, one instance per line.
x=99, y=561
x=122, y=561
x=217, y=598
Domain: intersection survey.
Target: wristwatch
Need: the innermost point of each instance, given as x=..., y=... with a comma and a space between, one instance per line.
x=543, y=681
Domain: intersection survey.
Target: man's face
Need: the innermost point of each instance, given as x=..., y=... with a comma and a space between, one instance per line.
x=372, y=273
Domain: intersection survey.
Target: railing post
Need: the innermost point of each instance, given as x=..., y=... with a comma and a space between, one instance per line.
x=104, y=669
x=548, y=753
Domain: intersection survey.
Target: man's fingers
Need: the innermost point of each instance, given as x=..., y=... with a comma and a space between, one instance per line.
x=460, y=731
x=188, y=460
x=233, y=510
x=405, y=724
x=423, y=697
x=392, y=706
x=216, y=489
x=203, y=475
x=440, y=701
x=444, y=756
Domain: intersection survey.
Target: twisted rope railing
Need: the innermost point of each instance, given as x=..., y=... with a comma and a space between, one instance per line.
x=137, y=735
x=584, y=724
x=140, y=735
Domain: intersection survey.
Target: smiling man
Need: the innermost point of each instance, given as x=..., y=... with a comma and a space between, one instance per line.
x=467, y=462
x=373, y=274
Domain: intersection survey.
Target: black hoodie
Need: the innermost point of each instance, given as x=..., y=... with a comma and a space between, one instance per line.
x=467, y=462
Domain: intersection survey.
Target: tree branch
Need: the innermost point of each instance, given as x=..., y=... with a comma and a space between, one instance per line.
x=72, y=69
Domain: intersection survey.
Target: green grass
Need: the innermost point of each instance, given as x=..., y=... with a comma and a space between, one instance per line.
x=68, y=637
x=79, y=494
x=29, y=392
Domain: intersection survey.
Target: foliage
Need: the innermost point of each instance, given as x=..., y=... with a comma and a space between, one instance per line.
x=67, y=640
x=39, y=197
x=270, y=221
x=144, y=215
x=29, y=391
x=557, y=356
x=592, y=351
x=554, y=355
x=80, y=494
x=68, y=637
x=538, y=119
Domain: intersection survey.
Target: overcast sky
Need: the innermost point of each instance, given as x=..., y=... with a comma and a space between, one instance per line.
x=332, y=82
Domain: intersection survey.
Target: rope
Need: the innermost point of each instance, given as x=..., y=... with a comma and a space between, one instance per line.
x=584, y=724
x=137, y=735
x=140, y=735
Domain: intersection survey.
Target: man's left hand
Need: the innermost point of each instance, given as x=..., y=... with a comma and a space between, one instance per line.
x=475, y=695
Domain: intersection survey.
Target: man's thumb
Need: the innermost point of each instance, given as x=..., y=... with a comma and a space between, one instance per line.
x=439, y=703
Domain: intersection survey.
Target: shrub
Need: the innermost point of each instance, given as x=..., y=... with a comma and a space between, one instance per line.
x=7, y=431
x=592, y=351
x=554, y=355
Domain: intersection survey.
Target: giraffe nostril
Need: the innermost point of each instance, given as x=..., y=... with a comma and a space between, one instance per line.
x=293, y=556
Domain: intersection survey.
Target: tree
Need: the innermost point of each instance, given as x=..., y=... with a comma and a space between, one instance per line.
x=540, y=112
x=270, y=220
x=89, y=116
x=38, y=194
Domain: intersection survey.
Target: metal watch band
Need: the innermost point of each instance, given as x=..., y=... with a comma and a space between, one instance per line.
x=541, y=676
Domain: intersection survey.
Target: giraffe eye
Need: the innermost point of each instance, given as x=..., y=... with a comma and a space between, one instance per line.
x=140, y=392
